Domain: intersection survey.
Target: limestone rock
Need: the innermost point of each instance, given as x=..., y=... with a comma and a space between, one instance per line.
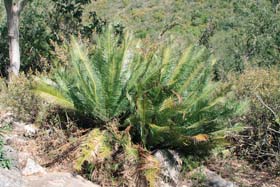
x=215, y=180
x=171, y=166
x=32, y=168
x=11, y=178
x=14, y=139
x=23, y=158
x=30, y=130
x=212, y=179
x=6, y=117
x=58, y=180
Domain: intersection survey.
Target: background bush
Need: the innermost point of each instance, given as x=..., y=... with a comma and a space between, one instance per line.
x=18, y=98
x=53, y=22
x=260, y=142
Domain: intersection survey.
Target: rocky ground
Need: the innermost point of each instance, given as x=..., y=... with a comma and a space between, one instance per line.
x=28, y=168
x=25, y=171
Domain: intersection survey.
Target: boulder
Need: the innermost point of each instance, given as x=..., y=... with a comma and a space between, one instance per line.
x=215, y=180
x=171, y=166
x=212, y=179
x=30, y=130
x=32, y=168
x=58, y=179
x=11, y=178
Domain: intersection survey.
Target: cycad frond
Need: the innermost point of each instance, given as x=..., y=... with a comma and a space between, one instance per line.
x=94, y=149
x=52, y=94
x=181, y=102
x=97, y=82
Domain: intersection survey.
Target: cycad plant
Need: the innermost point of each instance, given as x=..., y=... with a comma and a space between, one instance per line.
x=168, y=101
x=96, y=83
x=178, y=104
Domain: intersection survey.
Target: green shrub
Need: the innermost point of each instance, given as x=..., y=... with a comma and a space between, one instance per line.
x=4, y=162
x=168, y=101
x=260, y=142
x=36, y=49
x=18, y=98
x=177, y=103
x=96, y=84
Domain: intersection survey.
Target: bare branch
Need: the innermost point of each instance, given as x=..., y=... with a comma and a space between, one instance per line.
x=270, y=109
x=167, y=27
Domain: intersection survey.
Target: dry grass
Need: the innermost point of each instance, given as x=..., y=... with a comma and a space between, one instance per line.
x=242, y=173
x=259, y=144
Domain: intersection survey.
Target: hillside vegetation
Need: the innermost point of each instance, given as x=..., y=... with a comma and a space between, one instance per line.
x=111, y=82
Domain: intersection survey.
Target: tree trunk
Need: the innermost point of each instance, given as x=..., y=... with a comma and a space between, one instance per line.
x=13, y=13
x=13, y=34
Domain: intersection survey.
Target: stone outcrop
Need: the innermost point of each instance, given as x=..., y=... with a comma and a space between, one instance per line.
x=171, y=175
x=11, y=178
x=58, y=180
x=25, y=171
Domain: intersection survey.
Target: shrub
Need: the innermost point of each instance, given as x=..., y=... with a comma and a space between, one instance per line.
x=4, y=162
x=158, y=99
x=19, y=99
x=177, y=103
x=96, y=84
x=260, y=142
x=168, y=101
x=34, y=39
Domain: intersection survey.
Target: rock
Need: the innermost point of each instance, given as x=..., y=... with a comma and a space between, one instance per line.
x=14, y=139
x=27, y=130
x=30, y=130
x=23, y=158
x=11, y=178
x=212, y=179
x=32, y=168
x=58, y=180
x=18, y=127
x=6, y=117
x=215, y=180
x=171, y=166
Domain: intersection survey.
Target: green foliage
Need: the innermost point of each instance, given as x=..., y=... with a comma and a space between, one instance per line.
x=4, y=162
x=18, y=98
x=67, y=18
x=95, y=147
x=178, y=104
x=4, y=55
x=41, y=28
x=169, y=101
x=237, y=32
x=35, y=38
x=97, y=84
x=35, y=44
x=70, y=19
x=248, y=35
x=199, y=178
x=2, y=11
